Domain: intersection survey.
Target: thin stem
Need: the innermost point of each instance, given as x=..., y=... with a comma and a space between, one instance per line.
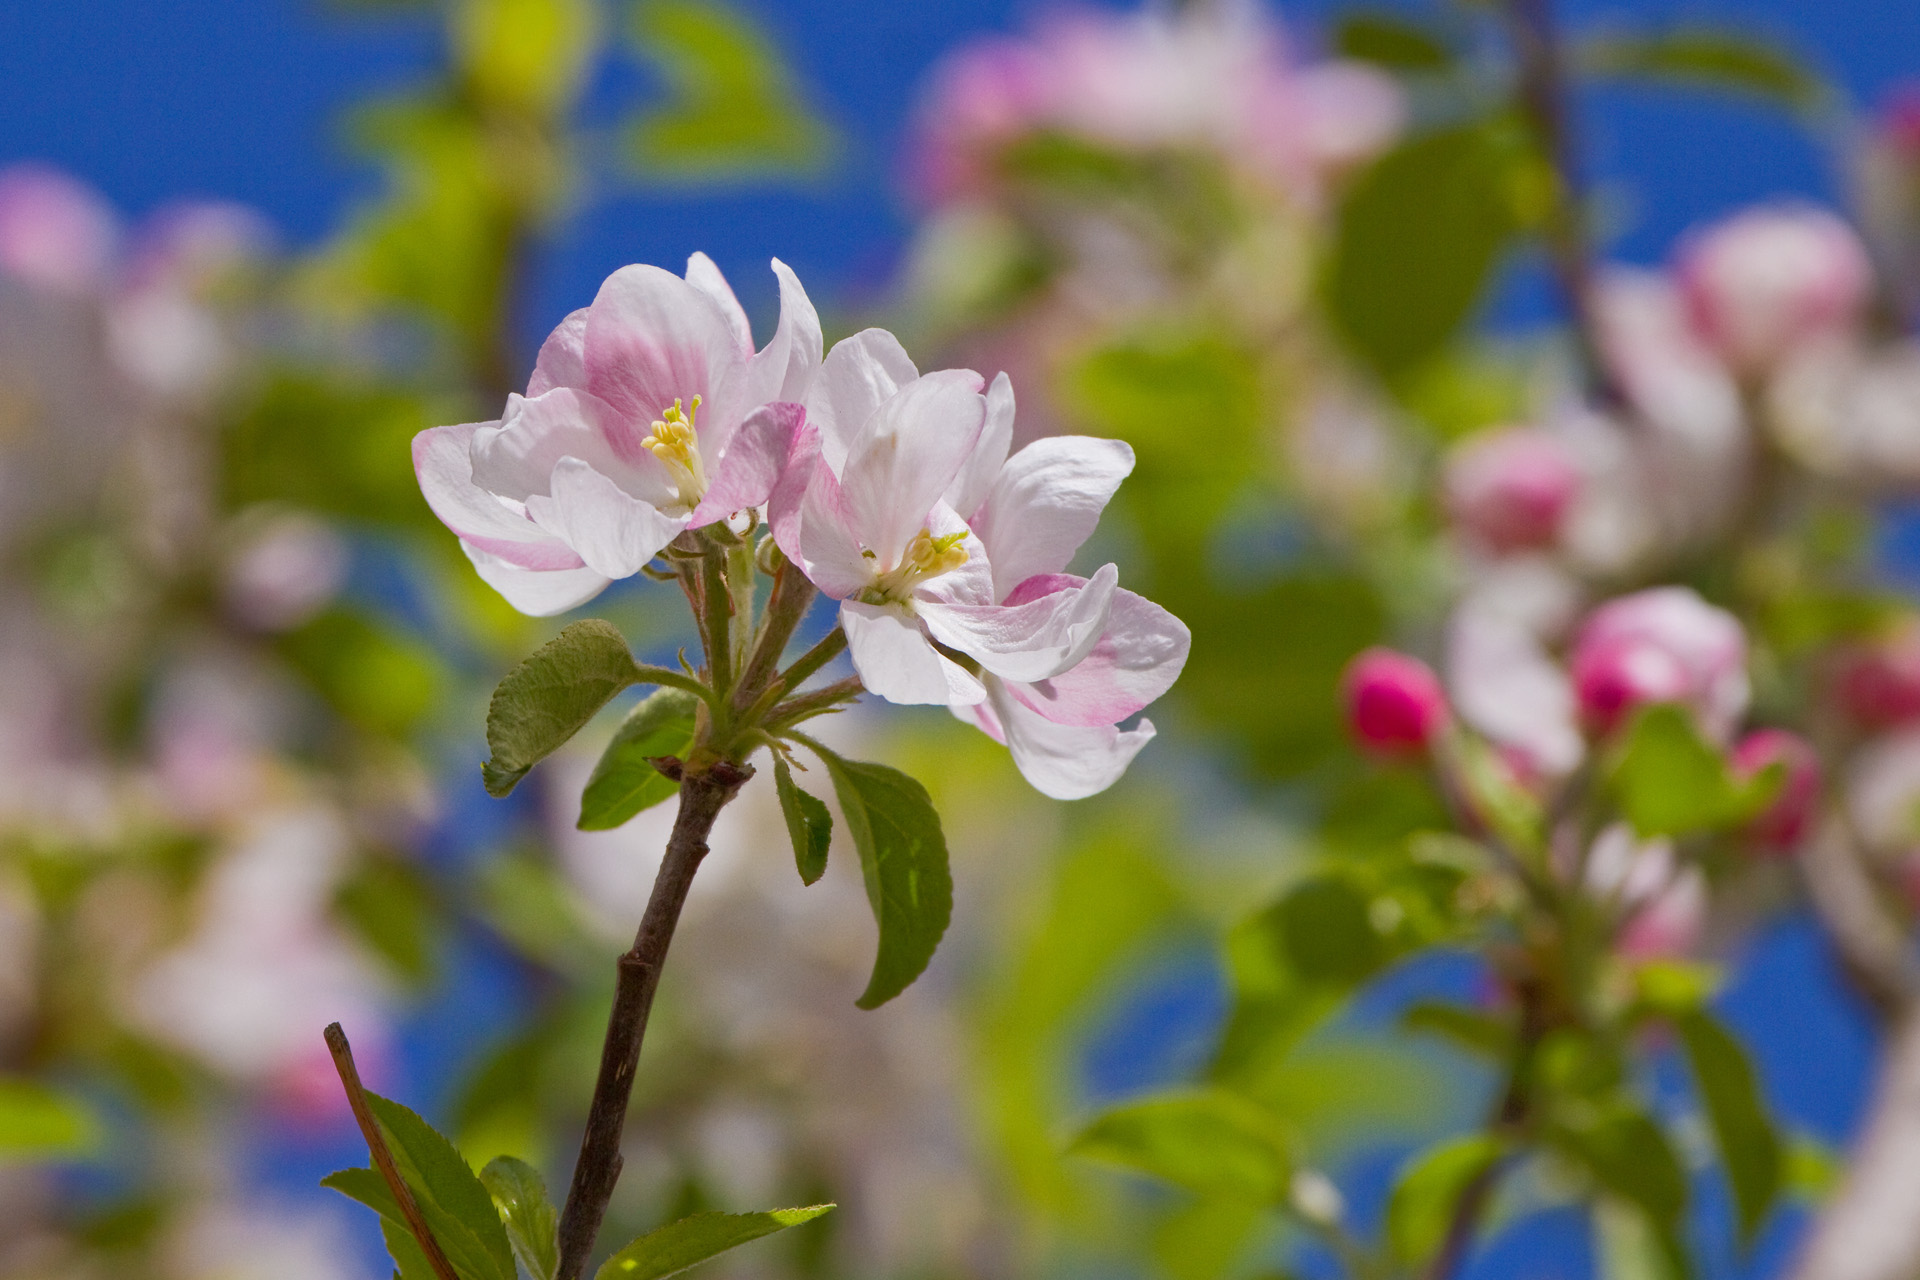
x=1543, y=99
x=702, y=797
x=815, y=658
x=813, y=702
x=741, y=581
x=650, y=674
x=786, y=607
x=716, y=608
x=382, y=1156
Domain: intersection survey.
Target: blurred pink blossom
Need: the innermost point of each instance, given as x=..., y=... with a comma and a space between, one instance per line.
x=55, y=233
x=1784, y=823
x=1664, y=644
x=1511, y=490
x=1879, y=684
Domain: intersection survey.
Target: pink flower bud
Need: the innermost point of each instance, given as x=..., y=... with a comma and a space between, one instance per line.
x=1784, y=823
x=1879, y=685
x=1661, y=645
x=1510, y=490
x=1395, y=704
x=55, y=234
x=1765, y=282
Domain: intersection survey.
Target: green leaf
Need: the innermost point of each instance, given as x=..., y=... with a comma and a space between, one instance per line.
x=548, y=698
x=1750, y=1149
x=391, y=907
x=532, y=1222
x=1417, y=240
x=1429, y=1187
x=1633, y=1248
x=677, y=1246
x=1327, y=932
x=1671, y=781
x=373, y=675
x=1676, y=988
x=733, y=108
x=903, y=856
x=38, y=1123
x=1389, y=40
x=809, y=825
x=624, y=782
x=456, y=1206
x=1213, y=1143
x=1472, y=1029
x=1628, y=1155
x=1710, y=58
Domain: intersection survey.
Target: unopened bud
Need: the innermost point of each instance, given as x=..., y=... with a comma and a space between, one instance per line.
x=1511, y=490
x=1781, y=827
x=1661, y=645
x=768, y=556
x=1879, y=685
x=1395, y=703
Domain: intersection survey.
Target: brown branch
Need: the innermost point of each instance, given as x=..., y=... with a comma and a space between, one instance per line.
x=1872, y=947
x=702, y=796
x=382, y=1155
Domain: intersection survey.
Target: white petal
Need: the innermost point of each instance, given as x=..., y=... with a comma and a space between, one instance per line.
x=705, y=276
x=516, y=458
x=1030, y=641
x=970, y=488
x=442, y=461
x=563, y=357
x=1066, y=762
x=906, y=455
x=783, y=371
x=828, y=552
x=614, y=532
x=1046, y=502
x=896, y=661
x=859, y=375
x=1138, y=658
x=537, y=593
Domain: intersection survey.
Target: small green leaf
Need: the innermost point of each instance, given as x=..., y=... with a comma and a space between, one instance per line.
x=1213, y=1142
x=1429, y=1187
x=624, y=782
x=1676, y=988
x=532, y=1222
x=1750, y=1149
x=548, y=698
x=903, y=856
x=1628, y=1155
x=1710, y=58
x=679, y=1245
x=1327, y=932
x=809, y=825
x=456, y=1206
x=1672, y=782
x=37, y=1123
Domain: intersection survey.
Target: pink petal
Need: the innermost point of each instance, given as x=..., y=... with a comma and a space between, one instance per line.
x=516, y=459
x=783, y=371
x=906, y=455
x=563, y=357
x=537, y=593
x=703, y=275
x=859, y=375
x=970, y=488
x=1137, y=659
x=1032, y=641
x=752, y=462
x=443, y=463
x=652, y=338
x=896, y=661
x=614, y=532
x=1046, y=502
x=785, y=503
x=829, y=552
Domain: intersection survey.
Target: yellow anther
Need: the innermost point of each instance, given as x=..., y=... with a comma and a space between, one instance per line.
x=925, y=557
x=675, y=443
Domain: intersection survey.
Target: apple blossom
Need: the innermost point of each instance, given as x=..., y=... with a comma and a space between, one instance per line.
x=1847, y=410
x=1764, y=282
x=55, y=234
x=1505, y=682
x=1664, y=644
x=1879, y=684
x=1510, y=490
x=1394, y=702
x=1784, y=823
x=648, y=413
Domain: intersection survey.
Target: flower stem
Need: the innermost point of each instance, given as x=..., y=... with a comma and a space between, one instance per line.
x=702, y=797
x=815, y=658
x=786, y=607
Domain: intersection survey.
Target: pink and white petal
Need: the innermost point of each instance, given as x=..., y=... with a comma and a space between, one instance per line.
x=1030, y=641
x=614, y=532
x=859, y=375
x=516, y=458
x=1066, y=762
x=652, y=338
x=563, y=357
x=443, y=463
x=896, y=661
x=905, y=457
x=752, y=462
x=538, y=593
x=830, y=553
x=783, y=371
x=1046, y=503
x=1138, y=657
x=705, y=276
x=785, y=504
x=970, y=488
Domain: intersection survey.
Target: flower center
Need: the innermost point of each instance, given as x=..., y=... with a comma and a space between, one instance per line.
x=673, y=442
x=925, y=557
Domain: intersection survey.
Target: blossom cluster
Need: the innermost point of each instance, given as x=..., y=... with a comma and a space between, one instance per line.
x=898, y=494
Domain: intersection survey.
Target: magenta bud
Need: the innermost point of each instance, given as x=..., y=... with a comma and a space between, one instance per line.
x=1664, y=644
x=1879, y=685
x=1395, y=704
x=1616, y=678
x=1511, y=490
x=1784, y=823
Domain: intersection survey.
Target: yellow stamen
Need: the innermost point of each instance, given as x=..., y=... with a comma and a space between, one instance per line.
x=677, y=446
x=925, y=557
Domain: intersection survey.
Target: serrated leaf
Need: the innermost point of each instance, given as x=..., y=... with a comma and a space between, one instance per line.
x=1750, y=1148
x=455, y=1205
x=548, y=698
x=623, y=782
x=370, y=1189
x=39, y=1123
x=1417, y=239
x=1211, y=1142
x=679, y=1245
x=1671, y=781
x=531, y=1221
x=809, y=825
x=1707, y=57
x=1429, y=1186
x=903, y=856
